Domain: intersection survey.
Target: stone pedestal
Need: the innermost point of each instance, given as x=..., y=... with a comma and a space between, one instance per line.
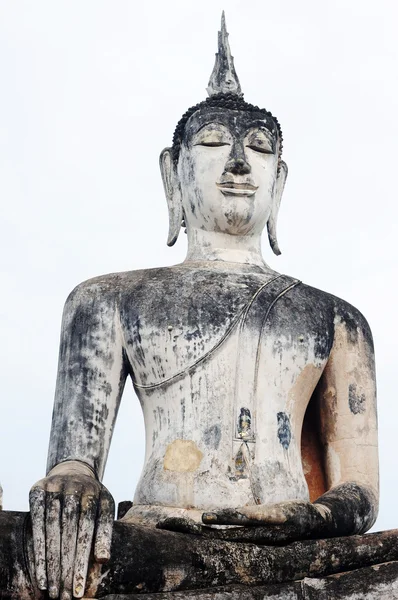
x=379, y=582
x=165, y=565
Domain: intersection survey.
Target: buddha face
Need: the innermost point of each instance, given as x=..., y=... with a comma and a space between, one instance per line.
x=227, y=171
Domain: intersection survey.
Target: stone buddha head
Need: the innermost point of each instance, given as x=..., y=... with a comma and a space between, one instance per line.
x=224, y=171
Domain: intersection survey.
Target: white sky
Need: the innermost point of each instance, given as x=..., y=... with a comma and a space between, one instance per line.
x=90, y=94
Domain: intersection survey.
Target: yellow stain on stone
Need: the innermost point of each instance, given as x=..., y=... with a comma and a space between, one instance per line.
x=182, y=456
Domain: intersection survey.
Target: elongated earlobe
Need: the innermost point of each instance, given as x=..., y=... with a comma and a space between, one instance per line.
x=273, y=218
x=173, y=194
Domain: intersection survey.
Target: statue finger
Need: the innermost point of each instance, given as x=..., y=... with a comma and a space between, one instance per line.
x=70, y=521
x=180, y=524
x=273, y=514
x=226, y=516
x=37, y=502
x=53, y=543
x=103, y=537
x=88, y=511
x=246, y=515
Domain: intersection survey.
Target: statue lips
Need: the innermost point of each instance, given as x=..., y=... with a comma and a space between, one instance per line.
x=233, y=188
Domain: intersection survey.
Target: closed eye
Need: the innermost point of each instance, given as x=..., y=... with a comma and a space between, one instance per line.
x=212, y=144
x=261, y=149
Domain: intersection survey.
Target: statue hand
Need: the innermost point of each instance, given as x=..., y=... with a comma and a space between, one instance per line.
x=286, y=521
x=66, y=507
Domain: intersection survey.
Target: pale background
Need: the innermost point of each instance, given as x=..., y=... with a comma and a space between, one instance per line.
x=91, y=92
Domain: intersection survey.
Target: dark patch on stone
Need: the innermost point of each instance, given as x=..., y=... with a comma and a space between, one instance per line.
x=284, y=430
x=356, y=402
x=191, y=335
x=352, y=327
x=123, y=508
x=212, y=436
x=323, y=344
x=182, y=403
x=244, y=423
x=354, y=322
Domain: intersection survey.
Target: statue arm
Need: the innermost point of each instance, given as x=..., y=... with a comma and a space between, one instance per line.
x=70, y=507
x=347, y=401
x=92, y=371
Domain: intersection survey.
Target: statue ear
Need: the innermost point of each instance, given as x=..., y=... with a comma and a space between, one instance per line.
x=173, y=194
x=271, y=224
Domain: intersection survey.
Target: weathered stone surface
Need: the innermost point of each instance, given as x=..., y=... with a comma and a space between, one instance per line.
x=287, y=591
x=123, y=507
x=169, y=561
x=149, y=561
x=379, y=582
x=15, y=579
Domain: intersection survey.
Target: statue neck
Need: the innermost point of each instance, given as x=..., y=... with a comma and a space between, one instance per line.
x=212, y=246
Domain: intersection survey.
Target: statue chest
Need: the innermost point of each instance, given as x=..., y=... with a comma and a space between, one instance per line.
x=174, y=326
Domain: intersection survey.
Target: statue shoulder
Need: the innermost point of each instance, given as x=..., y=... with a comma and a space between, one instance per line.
x=107, y=289
x=335, y=310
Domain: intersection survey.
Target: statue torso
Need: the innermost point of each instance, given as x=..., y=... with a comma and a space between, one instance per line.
x=224, y=363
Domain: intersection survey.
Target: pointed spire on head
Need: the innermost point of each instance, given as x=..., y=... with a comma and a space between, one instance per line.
x=224, y=79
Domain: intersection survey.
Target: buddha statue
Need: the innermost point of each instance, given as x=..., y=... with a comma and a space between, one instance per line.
x=258, y=391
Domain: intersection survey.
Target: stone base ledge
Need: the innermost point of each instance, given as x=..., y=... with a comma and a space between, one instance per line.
x=370, y=583
x=164, y=565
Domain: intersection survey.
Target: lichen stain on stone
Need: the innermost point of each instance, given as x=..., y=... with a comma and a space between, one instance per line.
x=244, y=424
x=284, y=430
x=182, y=456
x=240, y=464
x=356, y=401
x=173, y=577
x=212, y=436
x=93, y=580
x=241, y=570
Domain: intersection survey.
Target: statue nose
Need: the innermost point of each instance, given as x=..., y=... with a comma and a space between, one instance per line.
x=238, y=166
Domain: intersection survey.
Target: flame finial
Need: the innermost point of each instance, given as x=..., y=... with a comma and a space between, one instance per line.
x=224, y=79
